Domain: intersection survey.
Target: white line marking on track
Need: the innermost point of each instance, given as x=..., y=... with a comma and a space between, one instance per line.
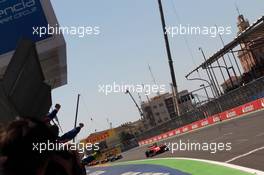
x=244, y=155
x=260, y=134
x=221, y=137
x=217, y=138
x=242, y=140
x=226, y=134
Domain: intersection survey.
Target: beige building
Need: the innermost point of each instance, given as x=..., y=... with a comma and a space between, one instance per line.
x=133, y=128
x=228, y=85
x=161, y=108
x=251, y=54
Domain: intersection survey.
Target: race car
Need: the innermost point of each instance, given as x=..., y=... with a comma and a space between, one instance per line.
x=87, y=160
x=115, y=157
x=90, y=159
x=93, y=163
x=156, y=149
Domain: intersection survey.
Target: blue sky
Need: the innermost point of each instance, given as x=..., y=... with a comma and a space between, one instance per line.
x=130, y=39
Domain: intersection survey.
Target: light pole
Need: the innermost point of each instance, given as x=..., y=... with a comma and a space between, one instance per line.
x=240, y=73
x=209, y=74
x=228, y=73
x=234, y=72
x=203, y=86
x=223, y=43
x=200, y=79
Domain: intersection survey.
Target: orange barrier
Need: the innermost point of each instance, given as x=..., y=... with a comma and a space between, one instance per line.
x=232, y=113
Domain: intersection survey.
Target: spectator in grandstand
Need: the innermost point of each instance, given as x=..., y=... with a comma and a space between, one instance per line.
x=53, y=115
x=70, y=134
x=18, y=156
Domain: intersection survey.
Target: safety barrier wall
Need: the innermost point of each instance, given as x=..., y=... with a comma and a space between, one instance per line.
x=232, y=113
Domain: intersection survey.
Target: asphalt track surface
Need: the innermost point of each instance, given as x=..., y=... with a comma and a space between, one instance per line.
x=246, y=134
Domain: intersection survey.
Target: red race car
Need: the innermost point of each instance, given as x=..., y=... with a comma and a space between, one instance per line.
x=156, y=149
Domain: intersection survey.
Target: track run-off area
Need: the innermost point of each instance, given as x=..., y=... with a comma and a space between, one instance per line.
x=246, y=156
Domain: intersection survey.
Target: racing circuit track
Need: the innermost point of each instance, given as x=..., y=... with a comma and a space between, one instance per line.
x=245, y=133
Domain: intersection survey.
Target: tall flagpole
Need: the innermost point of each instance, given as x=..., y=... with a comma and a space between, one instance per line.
x=76, y=115
x=173, y=78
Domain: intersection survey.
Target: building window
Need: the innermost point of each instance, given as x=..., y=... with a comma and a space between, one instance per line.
x=161, y=104
x=157, y=113
x=155, y=107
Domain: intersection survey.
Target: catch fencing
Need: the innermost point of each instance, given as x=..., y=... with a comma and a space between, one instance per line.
x=237, y=97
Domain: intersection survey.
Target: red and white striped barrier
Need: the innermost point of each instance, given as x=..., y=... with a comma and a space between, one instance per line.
x=232, y=113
